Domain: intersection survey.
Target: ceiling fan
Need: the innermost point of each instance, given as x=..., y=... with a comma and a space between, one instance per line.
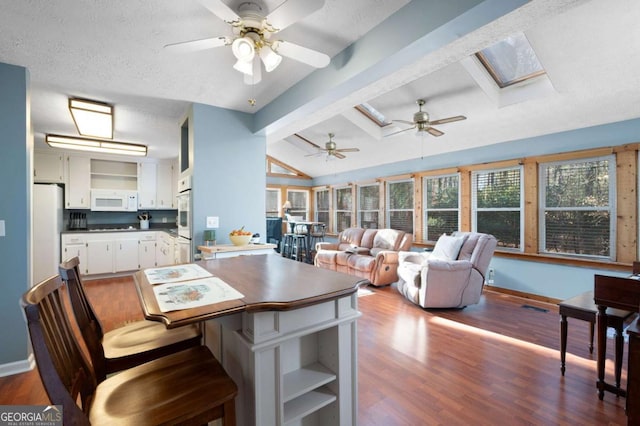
x=422, y=123
x=330, y=149
x=252, y=30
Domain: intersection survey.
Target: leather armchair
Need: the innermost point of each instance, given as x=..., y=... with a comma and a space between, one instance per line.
x=432, y=280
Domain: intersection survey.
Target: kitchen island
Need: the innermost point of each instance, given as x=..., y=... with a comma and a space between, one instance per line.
x=289, y=342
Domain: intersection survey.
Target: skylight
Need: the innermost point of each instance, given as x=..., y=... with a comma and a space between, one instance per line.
x=373, y=114
x=511, y=61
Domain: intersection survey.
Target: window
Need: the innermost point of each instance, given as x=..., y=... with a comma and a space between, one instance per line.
x=299, y=199
x=343, y=208
x=373, y=114
x=322, y=206
x=273, y=202
x=441, y=201
x=577, y=215
x=400, y=205
x=369, y=206
x=511, y=61
x=497, y=205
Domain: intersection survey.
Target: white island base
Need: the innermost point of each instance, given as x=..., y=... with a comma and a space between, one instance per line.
x=295, y=367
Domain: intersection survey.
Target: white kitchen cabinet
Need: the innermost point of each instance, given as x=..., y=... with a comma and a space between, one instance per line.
x=164, y=186
x=164, y=250
x=146, y=250
x=147, y=185
x=75, y=245
x=99, y=256
x=126, y=253
x=77, y=191
x=48, y=167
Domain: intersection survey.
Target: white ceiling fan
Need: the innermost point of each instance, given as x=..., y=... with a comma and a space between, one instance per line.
x=330, y=149
x=422, y=123
x=252, y=40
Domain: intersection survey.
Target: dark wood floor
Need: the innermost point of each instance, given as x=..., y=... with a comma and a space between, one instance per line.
x=494, y=363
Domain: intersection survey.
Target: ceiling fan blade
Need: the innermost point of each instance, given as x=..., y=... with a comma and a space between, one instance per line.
x=348, y=150
x=221, y=10
x=400, y=131
x=434, y=132
x=301, y=54
x=410, y=123
x=315, y=154
x=196, y=45
x=292, y=11
x=448, y=120
x=338, y=155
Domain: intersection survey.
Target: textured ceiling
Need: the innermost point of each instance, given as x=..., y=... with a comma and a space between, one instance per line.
x=113, y=51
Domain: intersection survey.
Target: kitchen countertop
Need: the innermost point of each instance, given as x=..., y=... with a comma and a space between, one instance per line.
x=124, y=227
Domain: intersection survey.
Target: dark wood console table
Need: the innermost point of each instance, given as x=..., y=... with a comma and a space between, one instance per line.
x=620, y=293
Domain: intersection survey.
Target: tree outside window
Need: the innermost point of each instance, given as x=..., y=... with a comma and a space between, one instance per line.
x=369, y=206
x=400, y=205
x=299, y=200
x=344, y=207
x=497, y=205
x=576, y=207
x=273, y=202
x=441, y=201
x=322, y=206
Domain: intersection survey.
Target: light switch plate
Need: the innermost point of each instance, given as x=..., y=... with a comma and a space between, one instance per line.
x=2, y=231
x=213, y=221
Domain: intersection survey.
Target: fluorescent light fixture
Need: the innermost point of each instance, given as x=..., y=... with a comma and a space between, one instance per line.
x=96, y=145
x=270, y=59
x=92, y=118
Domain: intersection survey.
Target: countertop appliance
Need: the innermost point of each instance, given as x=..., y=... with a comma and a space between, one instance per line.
x=47, y=215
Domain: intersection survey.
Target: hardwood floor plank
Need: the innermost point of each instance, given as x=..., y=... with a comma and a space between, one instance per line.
x=489, y=364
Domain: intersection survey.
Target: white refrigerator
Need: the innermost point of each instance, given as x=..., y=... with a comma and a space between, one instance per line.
x=47, y=211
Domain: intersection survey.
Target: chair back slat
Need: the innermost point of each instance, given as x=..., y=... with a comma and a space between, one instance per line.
x=65, y=372
x=87, y=321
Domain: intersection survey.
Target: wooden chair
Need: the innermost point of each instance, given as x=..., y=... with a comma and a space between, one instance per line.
x=127, y=346
x=187, y=387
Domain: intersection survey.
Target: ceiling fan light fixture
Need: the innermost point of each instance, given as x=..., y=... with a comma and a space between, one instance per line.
x=245, y=67
x=270, y=59
x=243, y=49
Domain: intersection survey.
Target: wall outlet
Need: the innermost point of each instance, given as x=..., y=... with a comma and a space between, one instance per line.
x=213, y=222
x=491, y=273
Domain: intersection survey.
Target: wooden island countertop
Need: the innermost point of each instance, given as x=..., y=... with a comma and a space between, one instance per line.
x=268, y=282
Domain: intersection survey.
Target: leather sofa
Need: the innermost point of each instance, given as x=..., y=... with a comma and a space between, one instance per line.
x=376, y=256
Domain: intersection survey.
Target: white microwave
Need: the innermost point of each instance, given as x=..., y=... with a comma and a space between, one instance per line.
x=108, y=200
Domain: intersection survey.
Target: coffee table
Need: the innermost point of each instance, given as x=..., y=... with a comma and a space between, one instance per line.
x=583, y=307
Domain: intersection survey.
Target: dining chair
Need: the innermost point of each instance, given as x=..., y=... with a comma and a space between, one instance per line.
x=127, y=346
x=187, y=387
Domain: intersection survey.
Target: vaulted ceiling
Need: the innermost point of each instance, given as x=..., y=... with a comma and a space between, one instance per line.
x=112, y=51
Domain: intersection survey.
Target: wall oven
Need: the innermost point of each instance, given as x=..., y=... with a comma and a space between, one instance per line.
x=184, y=219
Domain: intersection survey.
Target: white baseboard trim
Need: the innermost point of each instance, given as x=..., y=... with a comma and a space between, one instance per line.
x=16, y=367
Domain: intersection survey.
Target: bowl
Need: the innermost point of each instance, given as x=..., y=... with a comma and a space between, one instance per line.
x=240, y=240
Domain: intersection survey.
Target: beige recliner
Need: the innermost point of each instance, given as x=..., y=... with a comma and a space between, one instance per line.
x=452, y=276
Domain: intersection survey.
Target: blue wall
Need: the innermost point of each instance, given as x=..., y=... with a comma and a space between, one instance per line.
x=228, y=176
x=15, y=192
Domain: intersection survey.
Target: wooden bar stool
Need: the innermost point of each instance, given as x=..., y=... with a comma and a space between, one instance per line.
x=187, y=387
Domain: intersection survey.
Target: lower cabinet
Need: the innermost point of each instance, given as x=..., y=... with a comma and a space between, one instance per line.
x=126, y=253
x=296, y=367
x=74, y=245
x=164, y=250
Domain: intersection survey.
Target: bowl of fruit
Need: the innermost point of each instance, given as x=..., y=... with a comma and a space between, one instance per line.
x=240, y=237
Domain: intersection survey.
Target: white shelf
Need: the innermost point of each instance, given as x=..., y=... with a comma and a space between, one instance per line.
x=305, y=379
x=307, y=404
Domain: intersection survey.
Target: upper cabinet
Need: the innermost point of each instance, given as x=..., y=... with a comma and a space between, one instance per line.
x=48, y=167
x=156, y=185
x=77, y=189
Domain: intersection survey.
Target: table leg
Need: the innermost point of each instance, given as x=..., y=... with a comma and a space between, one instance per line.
x=619, y=353
x=563, y=342
x=591, y=340
x=602, y=348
